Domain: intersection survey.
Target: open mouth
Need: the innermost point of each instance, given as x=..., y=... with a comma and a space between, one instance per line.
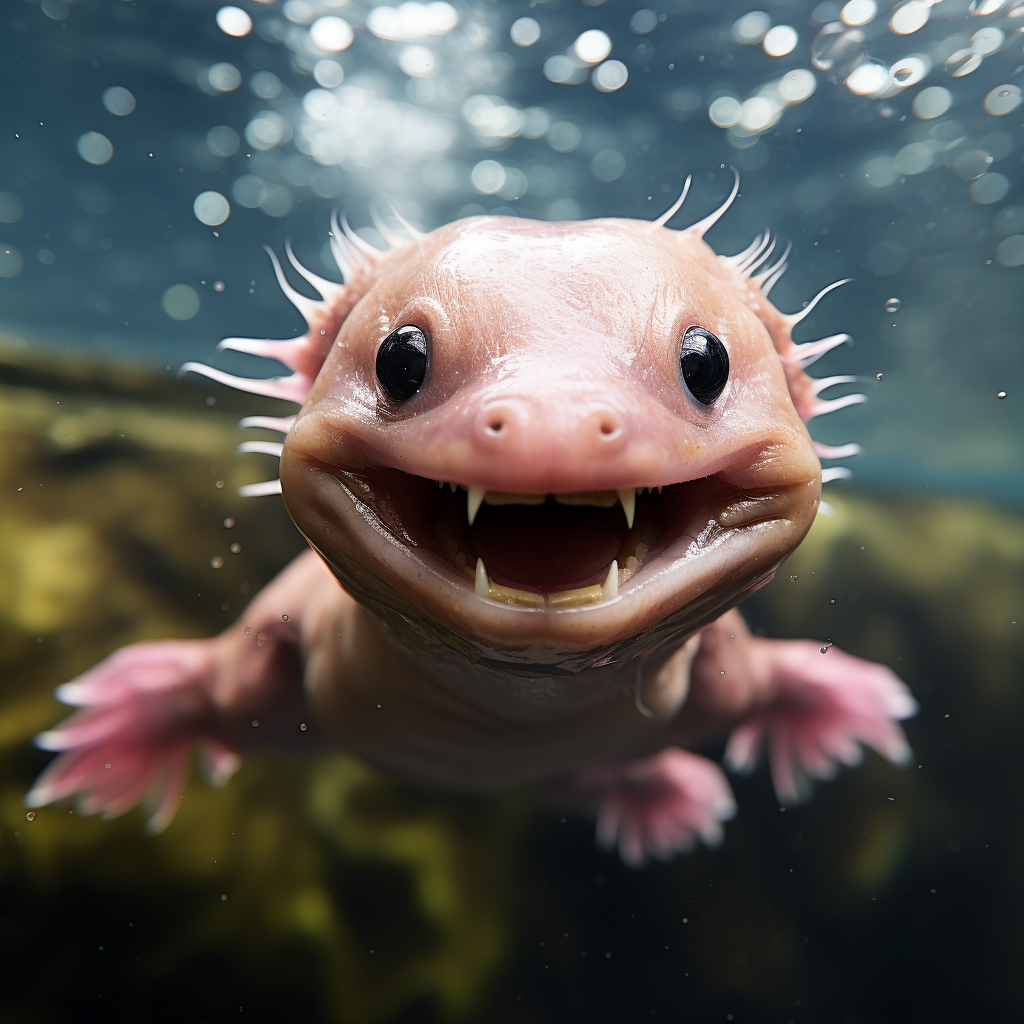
x=552, y=551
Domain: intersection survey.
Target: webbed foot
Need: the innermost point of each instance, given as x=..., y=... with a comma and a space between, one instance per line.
x=657, y=806
x=143, y=710
x=826, y=706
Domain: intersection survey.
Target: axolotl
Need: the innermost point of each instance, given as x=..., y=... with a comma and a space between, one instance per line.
x=538, y=465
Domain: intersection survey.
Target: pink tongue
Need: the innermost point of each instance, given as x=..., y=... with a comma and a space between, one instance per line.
x=546, y=547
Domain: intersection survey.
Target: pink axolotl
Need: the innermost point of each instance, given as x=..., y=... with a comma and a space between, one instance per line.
x=544, y=462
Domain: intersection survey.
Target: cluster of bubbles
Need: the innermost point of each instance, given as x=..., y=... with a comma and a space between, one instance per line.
x=837, y=49
x=457, y=68
x=350, y=126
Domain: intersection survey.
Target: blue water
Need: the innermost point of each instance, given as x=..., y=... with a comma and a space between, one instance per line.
x=911, y=186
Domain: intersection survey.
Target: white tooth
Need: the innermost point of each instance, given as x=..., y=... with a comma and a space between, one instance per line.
x=483, y=584
x=453, y=486
x=610, y=587
x=627, y=495
x=474, y=500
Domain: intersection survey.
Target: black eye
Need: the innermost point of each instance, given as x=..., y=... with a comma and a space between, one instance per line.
x=402, y=362
x=704, y=364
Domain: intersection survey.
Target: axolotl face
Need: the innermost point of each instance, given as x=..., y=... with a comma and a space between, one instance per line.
x=558, y=443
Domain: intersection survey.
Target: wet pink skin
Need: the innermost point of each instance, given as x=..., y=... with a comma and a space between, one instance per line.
x=554, y=368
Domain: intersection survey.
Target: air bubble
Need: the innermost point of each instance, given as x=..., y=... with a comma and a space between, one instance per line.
x=31, y=816
x=893, y=305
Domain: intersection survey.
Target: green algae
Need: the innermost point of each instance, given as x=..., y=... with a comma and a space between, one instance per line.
x=313, y=888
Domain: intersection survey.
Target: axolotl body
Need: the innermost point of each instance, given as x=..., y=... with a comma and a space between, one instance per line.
x=538, y=466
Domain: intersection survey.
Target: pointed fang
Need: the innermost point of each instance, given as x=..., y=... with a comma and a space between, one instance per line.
x=482, y=586
x=835, y=473
x=610, y=587
x=474, y=499
x=627, y=495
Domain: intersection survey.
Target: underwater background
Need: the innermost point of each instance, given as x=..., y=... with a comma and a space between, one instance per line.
x=147, y=152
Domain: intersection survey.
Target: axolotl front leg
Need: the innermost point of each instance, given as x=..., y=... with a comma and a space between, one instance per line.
x=146, y=707
x=814, y=706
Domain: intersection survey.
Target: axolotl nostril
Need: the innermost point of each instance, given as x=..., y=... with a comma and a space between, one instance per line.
x=538, y=466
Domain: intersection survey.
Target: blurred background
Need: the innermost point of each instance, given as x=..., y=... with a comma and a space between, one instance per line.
x=150, y=149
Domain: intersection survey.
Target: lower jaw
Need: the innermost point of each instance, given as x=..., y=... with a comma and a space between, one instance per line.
x=628, y=562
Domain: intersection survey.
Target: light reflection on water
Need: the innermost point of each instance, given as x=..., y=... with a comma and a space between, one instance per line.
x=882, y=139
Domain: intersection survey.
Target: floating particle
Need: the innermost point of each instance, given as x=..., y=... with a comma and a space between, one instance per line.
x=987, y=40
x=487, y=177
x=228, y=523
x=932, y=102
x=1000, y=394
x=724, y=111
x=331, y=34
x=95, y=148
x=858, y=12
x=222, y=140
x=233, y=21
x=11, y=261
x=30, y=816
x=525, y=31
x=908, y=17
x=211, y=208
x=610, y=76
x=824, y=650
x=180, y=302
x=216, y=562
x=893, y=305
x=909, y=71
x=1002, y=100
x=284, y=618
x=236, y=548
x=10, y=208
x=878, y=376
x=592, y=46
x=796, y=86
x=837, y=50
x=751, y=28
x=118, y=100
x=1010, y=251
x=963, y=62
x=794, y=577
x=990, y=188
x=780, y=40
x=869, y=77
x=218, y=286
x=224, y=77
x=644, y=21
x=329, y=74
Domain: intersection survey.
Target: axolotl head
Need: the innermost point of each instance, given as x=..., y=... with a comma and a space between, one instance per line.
x=551, y=443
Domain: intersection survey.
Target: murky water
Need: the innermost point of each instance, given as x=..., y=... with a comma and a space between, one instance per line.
x=149, y=150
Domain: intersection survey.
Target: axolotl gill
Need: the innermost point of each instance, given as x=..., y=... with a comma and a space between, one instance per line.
x=538, y=465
